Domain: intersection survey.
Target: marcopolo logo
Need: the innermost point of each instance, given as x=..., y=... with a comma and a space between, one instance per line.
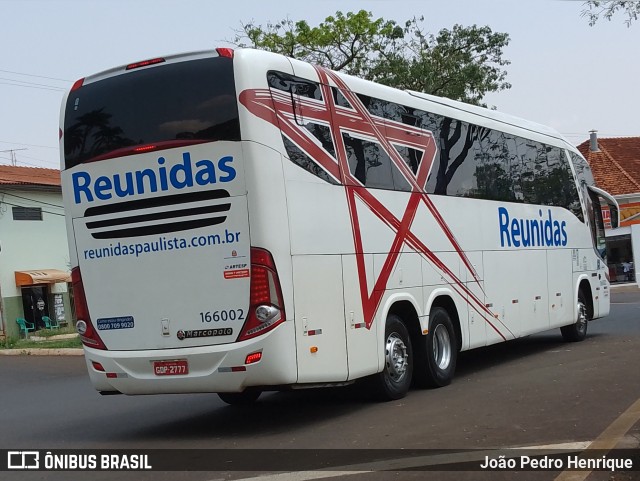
x=543, y=231
x=159, y=178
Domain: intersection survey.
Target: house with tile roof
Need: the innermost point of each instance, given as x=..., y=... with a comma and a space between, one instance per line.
x=34, y=255
x=615, y=163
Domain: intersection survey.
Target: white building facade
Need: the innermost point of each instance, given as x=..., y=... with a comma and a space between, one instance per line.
x=34, y=256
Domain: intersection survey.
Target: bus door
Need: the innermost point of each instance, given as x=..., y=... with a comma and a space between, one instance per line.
x=318, y=295
x=595, y=199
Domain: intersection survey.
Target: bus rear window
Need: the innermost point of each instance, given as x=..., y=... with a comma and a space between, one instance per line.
x=174, y=104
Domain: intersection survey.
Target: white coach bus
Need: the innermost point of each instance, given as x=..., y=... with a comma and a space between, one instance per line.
x=240, y=221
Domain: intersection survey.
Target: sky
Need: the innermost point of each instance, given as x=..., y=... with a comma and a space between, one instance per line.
x=564, y=73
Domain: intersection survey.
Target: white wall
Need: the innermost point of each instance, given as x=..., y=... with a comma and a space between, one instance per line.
x=31, y=245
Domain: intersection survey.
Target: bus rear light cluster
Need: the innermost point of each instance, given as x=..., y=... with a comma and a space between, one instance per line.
x=266, y=309
x=88, y=334
x=144, y=63
x=77, y=84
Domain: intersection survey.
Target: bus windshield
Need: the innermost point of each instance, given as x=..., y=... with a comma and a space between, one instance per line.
x=180, y=103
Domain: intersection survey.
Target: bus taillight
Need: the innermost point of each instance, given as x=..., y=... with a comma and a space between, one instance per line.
x=225, y=52
x=144, y=63
x=88, y=334
x=77, y=84
x=266, y=308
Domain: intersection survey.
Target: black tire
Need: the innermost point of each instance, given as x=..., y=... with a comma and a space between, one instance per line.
x=436, y=363
x=577, y=331
x=244, y=398
x=395, y=379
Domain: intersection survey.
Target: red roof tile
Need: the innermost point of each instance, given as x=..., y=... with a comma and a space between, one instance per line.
x=616, y=167
x=11, y=175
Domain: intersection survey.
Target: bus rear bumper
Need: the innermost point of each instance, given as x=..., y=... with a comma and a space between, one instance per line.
x=219, y=368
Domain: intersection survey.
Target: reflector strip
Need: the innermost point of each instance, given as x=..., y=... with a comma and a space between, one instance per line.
x=360, y=325
x=253, y=358
x=97, y=366
x=314, y=332
x=232, y=369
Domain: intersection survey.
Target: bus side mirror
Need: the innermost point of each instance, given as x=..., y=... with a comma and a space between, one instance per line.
x=615, y=216
x=614, y=209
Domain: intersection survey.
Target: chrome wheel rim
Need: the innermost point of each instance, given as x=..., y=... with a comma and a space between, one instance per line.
x=441, y=347
x=397, y=357
x=581, y=323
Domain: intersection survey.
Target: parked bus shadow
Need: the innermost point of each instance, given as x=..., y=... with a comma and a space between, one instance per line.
x=279, y=412
x=274, y=412
x=501, y=354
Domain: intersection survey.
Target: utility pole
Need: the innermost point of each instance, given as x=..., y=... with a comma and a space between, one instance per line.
x=12, y=155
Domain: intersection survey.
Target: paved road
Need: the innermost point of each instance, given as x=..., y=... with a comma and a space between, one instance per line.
x=530, y=392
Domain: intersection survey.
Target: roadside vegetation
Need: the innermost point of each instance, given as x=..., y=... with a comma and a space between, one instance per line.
x=45, y=339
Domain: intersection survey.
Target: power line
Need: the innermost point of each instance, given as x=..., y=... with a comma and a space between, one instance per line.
x=55, y=89
x=12, y=154
x=37, y=76
x=45, y=211
x=55, y=162
x=28, y=163
x=28, y=145
x=34, y=200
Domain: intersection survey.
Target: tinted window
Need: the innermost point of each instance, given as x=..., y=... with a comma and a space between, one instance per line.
x=298, y=157
x=411, y=157
x=186, y=101
x=339, y=99
x=582, y=168
x=371, y=165
x=323, y=134
x=475, y=161
x=295, y=85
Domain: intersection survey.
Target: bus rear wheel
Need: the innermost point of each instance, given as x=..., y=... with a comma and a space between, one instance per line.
x=395, y=379
x=244, y=398
x=577, y=331
x=437, y=363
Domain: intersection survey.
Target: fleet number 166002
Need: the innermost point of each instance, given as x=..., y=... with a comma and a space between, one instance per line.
x=223, y=315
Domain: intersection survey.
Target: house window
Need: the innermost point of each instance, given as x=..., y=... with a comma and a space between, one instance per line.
x=27, y=213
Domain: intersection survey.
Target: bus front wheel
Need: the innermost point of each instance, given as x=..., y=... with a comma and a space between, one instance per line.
x=395, y=379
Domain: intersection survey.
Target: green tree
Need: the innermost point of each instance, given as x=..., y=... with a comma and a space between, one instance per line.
x=463, y=63
x=596, y=9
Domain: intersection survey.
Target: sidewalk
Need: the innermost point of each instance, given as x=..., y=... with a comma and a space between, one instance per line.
x=41, y=352
x=625, y=286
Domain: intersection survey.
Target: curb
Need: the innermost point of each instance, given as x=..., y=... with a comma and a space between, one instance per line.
x=625, y=287
x=42, y=352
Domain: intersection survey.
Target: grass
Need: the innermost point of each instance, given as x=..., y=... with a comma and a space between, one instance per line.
x=53, y=332
x=54, y=344
x=47, y=343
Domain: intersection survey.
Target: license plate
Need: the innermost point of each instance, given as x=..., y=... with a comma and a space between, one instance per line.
x=171, y=368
